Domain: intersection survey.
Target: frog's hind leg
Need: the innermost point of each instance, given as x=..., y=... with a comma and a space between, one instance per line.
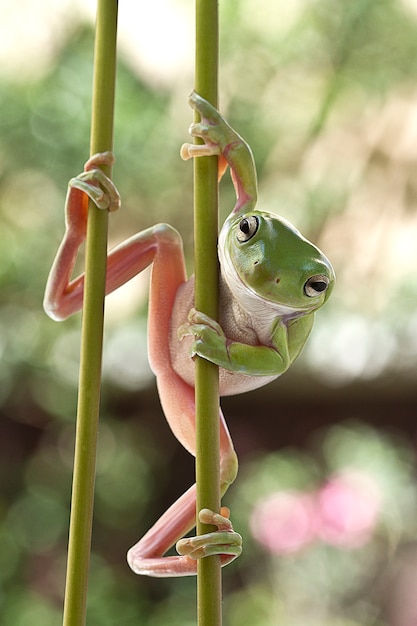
x=177, y=399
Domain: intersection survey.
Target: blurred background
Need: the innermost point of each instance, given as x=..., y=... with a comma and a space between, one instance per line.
x=325, y=93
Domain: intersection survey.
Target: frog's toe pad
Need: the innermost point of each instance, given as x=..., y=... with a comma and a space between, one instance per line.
x=191, y=150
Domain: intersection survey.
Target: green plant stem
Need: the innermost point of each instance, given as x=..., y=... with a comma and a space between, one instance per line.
x=82, y=502
x=206, y=300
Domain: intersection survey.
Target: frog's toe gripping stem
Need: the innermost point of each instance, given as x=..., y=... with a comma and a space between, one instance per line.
x=100, y=158
x=191, y=150
x=95, y=184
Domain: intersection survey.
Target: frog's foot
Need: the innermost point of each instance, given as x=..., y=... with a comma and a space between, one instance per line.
x=96, y=185
x=225, y=541
x=209, y=342
x=219, y=138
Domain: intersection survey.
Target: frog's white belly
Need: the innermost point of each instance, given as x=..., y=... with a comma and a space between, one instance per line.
x=230, y=382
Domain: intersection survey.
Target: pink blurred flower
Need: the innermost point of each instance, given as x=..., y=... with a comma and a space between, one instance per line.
x=348, y=507
x=343, y=513
x=284, y=522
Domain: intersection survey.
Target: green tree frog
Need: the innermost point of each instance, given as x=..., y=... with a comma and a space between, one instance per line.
x=272, y=282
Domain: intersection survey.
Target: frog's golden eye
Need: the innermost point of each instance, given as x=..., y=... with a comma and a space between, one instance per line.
x=247, y=228
x=316, y=285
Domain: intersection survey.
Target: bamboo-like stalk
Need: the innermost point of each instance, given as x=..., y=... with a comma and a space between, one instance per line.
x=92, y=328
x=206, y=300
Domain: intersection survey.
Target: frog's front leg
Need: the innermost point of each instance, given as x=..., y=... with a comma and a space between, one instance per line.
x=211, y=343
x=221, y=139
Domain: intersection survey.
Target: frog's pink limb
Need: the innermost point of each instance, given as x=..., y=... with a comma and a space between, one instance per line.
x=64, y=296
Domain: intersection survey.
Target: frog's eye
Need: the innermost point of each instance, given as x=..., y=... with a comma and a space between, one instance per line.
x=316, y=285
x=247, y=228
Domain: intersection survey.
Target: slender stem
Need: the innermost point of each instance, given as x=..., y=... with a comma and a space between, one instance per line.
x=206, y=300
x=82, y=502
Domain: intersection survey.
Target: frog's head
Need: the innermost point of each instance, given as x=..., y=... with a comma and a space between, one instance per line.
x=263, y=255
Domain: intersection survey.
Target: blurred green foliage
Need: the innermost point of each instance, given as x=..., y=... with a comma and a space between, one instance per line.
x=325, y=94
